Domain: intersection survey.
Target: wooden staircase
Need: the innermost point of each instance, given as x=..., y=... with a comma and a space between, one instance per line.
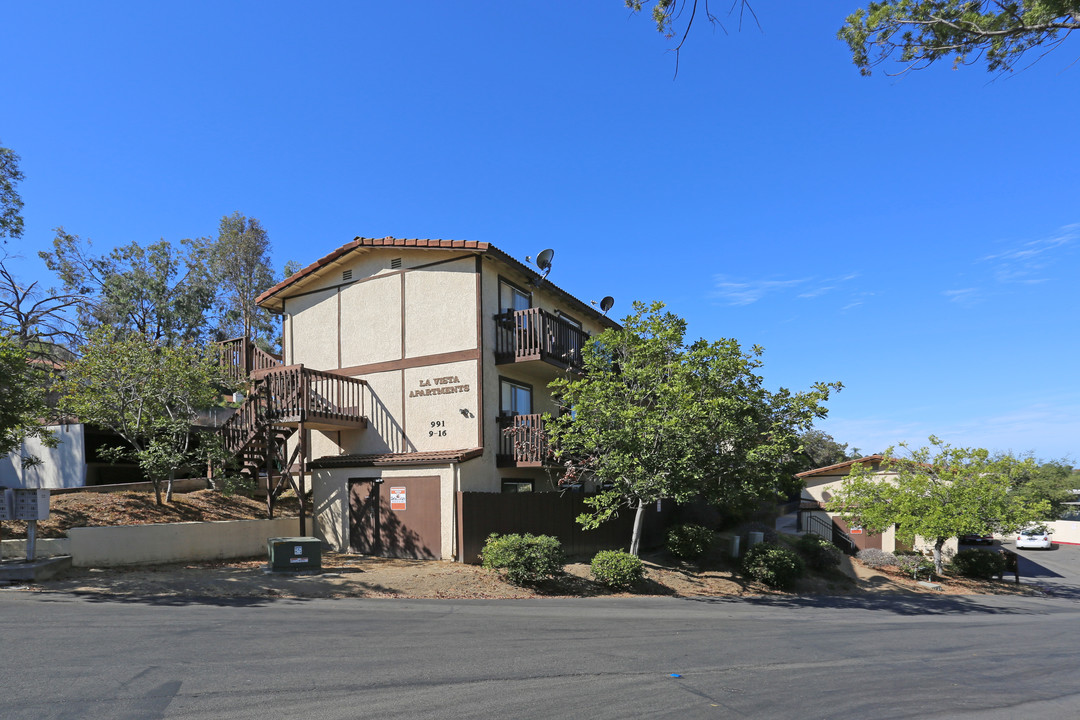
x=283, y=401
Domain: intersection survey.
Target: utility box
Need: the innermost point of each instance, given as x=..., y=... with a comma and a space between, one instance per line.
x=295, y=553
x=7, y=504
x=30, y=504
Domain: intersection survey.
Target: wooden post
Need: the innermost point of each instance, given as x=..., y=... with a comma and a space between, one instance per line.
x=301, y=490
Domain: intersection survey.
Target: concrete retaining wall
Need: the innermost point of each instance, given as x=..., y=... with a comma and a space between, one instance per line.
x=175, y=542
x=44, y=547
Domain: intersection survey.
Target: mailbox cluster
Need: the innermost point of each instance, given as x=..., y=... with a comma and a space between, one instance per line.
x=24, y=504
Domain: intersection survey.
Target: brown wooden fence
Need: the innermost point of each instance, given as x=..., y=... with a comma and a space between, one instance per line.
x=547, y=513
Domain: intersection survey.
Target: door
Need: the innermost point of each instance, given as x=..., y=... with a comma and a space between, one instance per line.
x=364, y=517
x=399, y=517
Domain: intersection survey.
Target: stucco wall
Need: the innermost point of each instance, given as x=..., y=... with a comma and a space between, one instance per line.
x=371, y=321
x=175, y=542
x=311, y=330
x=330, y=493
x=61, y=467
x=440, y=308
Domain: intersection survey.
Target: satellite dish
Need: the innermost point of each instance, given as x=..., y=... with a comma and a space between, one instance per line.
x=606, y=303
x=543, y=260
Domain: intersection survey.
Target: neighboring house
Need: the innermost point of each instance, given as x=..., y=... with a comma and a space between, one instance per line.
x=819, y=484
x=404, y=362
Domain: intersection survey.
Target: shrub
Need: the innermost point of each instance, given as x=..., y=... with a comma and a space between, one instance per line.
x=617, y=569
x=916, y=564
x=982, y=564
x=689, y=541
x=875, y=558
x=526, y=559
x=773, y=565
x=819, y=553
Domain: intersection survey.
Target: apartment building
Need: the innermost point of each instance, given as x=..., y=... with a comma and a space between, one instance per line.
x=415, y=356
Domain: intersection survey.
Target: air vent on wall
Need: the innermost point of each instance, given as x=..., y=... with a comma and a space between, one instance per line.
x=395, y=264
x=346, y=275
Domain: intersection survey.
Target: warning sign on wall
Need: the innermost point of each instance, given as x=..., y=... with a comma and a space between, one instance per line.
x=397, y=498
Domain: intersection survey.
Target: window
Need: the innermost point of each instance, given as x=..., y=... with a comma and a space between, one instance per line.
x=511, y=297
x=516, y=486
x=514, y=398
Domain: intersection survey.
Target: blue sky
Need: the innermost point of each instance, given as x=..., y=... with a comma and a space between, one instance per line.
x=916, y=238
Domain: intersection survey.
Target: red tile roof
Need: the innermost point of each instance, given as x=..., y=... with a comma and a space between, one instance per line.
x=830, y=469
x=440, y=457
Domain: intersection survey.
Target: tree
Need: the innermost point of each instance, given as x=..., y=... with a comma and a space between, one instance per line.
x=146, y=391
x=920, y=32
x=240, y=259
x=1053, y=482
x=653, y=417
x=11, y=221
x=22, y=399
x=819, y=449
x=966, y=31
x=36, y=322
x=161, y=292
x=937, y=492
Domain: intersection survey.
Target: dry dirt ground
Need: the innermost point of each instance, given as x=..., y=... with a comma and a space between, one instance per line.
x=362, y=576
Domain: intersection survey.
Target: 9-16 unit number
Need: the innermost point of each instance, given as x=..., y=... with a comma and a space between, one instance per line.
x=437, y=429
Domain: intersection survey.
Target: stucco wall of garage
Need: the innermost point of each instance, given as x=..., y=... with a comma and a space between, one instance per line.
x=330, y=493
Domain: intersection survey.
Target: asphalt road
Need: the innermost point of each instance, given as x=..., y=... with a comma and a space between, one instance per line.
x=862, y=657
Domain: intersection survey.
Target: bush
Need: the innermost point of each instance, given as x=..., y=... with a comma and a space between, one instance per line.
x=689, y=541
x=875, y=558
x=916, y=564
x=527, y=559
x=617, y=569
x=819, y=553
x=982, y=564
x=773, y=565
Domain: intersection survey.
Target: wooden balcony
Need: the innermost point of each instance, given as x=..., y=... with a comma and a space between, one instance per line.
x=288, y=396
x=522, y=442
x=537, y=335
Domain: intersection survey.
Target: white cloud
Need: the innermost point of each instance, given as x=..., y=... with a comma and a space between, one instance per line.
x=964, y=296
x=745, y=292
x=1027, y=263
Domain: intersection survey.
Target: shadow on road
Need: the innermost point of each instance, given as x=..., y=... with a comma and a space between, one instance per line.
x=911, y=604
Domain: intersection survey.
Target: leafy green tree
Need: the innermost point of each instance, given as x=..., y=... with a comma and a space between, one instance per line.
x=819, y=449
x=1052, y=482
x=915, y=32
x=11, y=220
x=937, y=492
x=240, y=260
x=653, y=417
x=162, y=292
x=146, y=391
x=22, y=399
x=922, y=32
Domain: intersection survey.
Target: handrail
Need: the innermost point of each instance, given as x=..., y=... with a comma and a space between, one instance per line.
x=294, y=394
x=240, y=357
x=537, y=334
x=523, y=438
x=832, y=532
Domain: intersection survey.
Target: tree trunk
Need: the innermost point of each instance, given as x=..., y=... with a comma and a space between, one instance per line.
x=168, y=489
x=635, y=537
x=157, y=490
x=938, y=545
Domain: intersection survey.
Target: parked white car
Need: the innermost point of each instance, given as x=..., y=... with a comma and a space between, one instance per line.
x=1034, y=537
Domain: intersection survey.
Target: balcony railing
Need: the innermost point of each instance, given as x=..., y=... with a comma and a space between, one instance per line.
x=535, y=334
x=522, y=442
x=240, y=358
